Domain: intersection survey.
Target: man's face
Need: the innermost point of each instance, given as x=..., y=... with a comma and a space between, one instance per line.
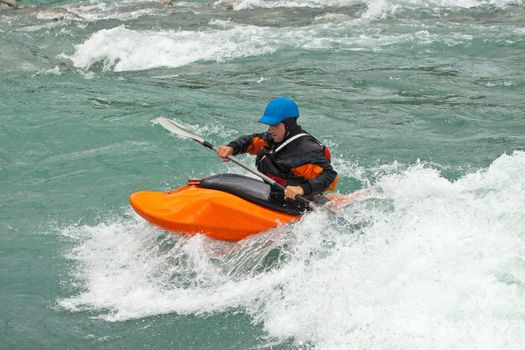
x=277, y=132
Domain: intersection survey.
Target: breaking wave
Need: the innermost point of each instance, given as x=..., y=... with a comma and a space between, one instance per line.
x=122, y=49
x=430, y=263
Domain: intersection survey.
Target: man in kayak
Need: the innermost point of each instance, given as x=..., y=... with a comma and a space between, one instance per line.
x=286, y=153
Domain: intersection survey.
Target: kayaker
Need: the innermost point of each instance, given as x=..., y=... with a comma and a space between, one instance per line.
x=286, y=153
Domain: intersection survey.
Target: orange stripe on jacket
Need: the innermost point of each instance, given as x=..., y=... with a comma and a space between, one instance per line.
x=311, y=171
x=308, y=171
x=257, y=144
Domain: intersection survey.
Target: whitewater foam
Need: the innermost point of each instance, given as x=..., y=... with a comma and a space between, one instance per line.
x=382, y=8
x=160, y=273
x=374, y=8
x=426, y=274
x=122, y=10
x=433, y=264
x=240, y=5
x=122, y=49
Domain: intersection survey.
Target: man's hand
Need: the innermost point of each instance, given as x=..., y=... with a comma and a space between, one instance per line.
x=224, y=152
x=290, y=192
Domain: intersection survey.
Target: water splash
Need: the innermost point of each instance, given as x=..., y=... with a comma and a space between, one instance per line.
x=375, y=7
x=432, y=263
x=239, y=5
x=121, y=49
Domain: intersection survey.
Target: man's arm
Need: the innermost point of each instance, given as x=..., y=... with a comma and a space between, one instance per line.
x=318, y=174
x=244, y=144
x=250, y=143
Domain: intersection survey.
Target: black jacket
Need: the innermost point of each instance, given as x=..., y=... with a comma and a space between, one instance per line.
x=303, y=162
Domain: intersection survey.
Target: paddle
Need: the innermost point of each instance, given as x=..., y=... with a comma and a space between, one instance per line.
x=175, y=128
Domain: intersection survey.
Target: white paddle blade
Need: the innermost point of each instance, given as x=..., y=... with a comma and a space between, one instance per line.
x=177, y=129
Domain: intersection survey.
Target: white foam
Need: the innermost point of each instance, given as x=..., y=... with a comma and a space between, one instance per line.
x=381, y=8
x=443, y=269
x=128, y=269
x=436, y=264
x=239, y=5
x=122, y=49
x=122, y=10
x=375, y=8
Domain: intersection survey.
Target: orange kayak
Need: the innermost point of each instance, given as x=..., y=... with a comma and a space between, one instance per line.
x=227, y=207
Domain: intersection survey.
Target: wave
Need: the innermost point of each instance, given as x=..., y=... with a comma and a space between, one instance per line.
x=431, y=264
x=374, y=6
x=122, y=49
x=382, y=8
x=122, y=10
x=239, y=5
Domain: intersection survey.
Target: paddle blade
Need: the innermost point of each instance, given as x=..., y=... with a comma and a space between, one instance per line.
x=177, y=129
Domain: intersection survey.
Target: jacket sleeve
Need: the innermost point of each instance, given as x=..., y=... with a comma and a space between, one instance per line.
x=250, y=143
x=318, y=174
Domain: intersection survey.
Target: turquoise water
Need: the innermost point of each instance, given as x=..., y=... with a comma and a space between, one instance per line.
x=421, y=102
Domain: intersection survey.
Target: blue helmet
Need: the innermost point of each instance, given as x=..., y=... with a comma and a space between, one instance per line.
x=279, y=109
